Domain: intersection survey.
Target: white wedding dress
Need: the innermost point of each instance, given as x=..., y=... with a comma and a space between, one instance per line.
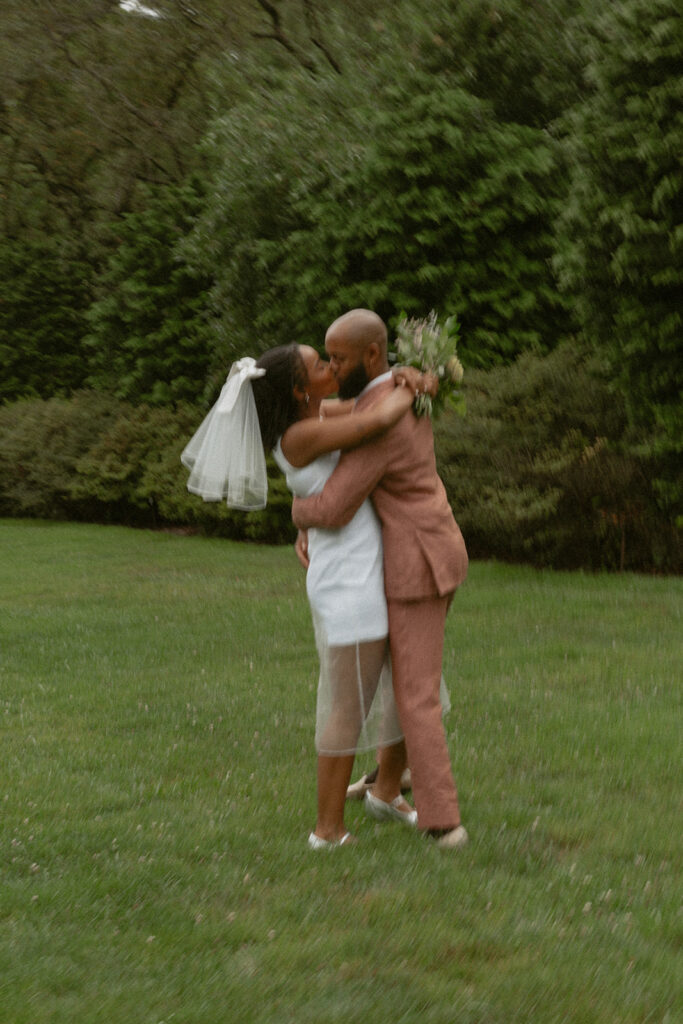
x=345, y=586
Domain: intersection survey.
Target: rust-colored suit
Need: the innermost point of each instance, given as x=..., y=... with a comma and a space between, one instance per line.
x=425, y=560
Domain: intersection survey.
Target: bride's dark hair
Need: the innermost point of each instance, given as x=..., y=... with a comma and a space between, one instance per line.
x=276, y=405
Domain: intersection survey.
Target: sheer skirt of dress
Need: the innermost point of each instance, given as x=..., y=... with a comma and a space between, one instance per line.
x=355, y=704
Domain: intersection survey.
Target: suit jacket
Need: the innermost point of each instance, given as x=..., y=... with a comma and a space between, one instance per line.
x=424, y=551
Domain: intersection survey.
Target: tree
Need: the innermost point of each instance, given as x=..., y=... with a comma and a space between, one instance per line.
x=446, y=208
x=43, y=301
x=279, y=142
x=150, y=338
x=100, y=109
x=521, y=57
x=621, y=237
x=95, y=100
x=418, y=198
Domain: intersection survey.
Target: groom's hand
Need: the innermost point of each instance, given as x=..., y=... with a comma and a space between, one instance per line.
x=301, y=548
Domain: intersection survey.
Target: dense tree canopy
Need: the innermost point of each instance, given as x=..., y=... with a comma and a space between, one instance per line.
x=521, y=57
x=441, y=194
x=95, y=100
x=621, y=241
x=43, y=304
x=149, y=337
x=181, y=183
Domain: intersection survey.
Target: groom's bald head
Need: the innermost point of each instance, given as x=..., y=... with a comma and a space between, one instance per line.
x=357, y=346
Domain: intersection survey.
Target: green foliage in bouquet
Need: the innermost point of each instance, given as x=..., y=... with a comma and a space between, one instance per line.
x=433, y=348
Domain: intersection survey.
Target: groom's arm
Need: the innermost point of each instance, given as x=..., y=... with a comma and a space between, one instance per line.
x=355, y=478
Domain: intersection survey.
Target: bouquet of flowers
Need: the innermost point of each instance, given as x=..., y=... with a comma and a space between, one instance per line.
x=432, y=348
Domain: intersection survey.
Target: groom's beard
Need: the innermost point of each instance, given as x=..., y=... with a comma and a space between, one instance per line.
x=354, y=383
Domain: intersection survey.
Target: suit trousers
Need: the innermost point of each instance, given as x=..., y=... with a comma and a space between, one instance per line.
x=416, y=636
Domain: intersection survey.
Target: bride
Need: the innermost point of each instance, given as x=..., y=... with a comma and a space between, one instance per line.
x=282, y=403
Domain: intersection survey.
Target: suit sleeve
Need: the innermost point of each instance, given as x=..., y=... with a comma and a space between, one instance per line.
x=355, y=478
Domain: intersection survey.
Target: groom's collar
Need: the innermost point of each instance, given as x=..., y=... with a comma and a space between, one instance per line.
x=383, y=377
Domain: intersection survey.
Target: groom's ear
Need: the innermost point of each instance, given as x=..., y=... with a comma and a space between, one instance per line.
x=372, y=355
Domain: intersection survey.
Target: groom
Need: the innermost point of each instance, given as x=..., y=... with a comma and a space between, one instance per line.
x=424, y=561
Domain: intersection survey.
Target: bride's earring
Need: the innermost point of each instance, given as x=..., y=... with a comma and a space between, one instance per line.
x=307, y=397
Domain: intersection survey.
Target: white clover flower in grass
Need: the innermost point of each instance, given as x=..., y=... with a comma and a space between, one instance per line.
x=432, y=347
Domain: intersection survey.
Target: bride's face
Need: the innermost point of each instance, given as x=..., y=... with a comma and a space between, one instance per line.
x=321, y=380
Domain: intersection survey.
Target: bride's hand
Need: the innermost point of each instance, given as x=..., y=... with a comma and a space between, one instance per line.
x=419, y=383
x=395, y=404
x=429, y=384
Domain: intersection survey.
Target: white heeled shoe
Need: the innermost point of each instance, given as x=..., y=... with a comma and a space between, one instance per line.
x=316, y=843
x=357, y=790
x=381, y=811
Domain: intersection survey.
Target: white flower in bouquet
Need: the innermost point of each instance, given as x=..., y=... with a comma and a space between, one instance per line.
x=432, y=348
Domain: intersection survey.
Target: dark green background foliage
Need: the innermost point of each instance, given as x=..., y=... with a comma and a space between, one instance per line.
x=44, y=297
x=534, y=471
x=541, y=470
x=621, y=237
x=149, y=338
x=100, y=459
x=445, y=209
x=182, y=190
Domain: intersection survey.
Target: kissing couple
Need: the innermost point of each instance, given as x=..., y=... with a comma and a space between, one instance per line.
x=383, y=553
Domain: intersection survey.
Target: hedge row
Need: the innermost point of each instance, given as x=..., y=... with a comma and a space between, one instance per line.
x=545, y=469
x=94, y=458
x=540, y=470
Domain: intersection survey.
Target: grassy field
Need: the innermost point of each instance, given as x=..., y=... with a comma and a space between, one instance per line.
x=157, y=783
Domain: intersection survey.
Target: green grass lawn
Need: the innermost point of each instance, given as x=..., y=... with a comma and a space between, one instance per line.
x=157, y=783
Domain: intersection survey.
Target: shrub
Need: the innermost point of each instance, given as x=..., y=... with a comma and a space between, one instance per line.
x=41, y=443
x=95, y=458
x=542, y=470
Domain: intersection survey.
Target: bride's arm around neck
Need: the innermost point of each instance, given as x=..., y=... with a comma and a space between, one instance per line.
x=308, y=438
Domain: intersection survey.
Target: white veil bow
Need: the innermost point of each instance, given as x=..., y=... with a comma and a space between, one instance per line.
x=226, y=455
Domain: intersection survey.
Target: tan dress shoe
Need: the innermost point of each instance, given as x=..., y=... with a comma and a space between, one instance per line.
x=453, y=840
